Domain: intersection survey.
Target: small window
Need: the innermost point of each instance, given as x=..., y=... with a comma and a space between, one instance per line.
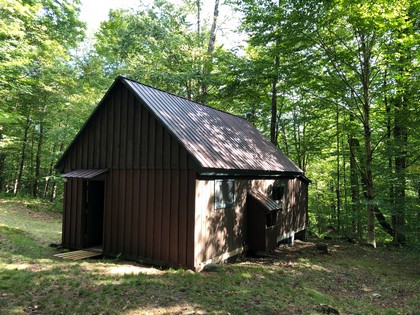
x=277, y=192
x=224, y=193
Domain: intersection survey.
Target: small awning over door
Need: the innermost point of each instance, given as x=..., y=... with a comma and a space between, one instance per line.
x=265, y=201
x=85, y=174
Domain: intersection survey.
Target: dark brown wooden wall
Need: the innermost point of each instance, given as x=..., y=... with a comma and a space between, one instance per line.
x=293, y=215
x=123, y=134
x=73, y=214
x=149, y=188
x=150, y=214
x=297, y=203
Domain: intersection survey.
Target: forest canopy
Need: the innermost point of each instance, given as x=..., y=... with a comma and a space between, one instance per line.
x=334, y=84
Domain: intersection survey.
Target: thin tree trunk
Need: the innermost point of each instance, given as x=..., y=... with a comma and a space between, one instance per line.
x=390, y=148
x=198, y=17
x=54, y=181
x=337, y=191
x=208, y=65
x=400, y=137
x=38, y=159
x=273, y=121
x=2, y=159
x=354, y=187
x=54, y=191
x=48, y=180
x=212, y=39
x=18, y=181
x=2, y=163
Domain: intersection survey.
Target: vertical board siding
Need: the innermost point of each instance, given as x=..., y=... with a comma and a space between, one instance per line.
x=130, y=132
x=123, y=152
x=173, y=217
x=135, y=191
x=144, y=137
x=121, y=210
x=150, y=212
x=142, y=210
x=125, y=135
x=128, y=213
x=109, y=140
x=73, y=216
x=218, y=231
x=209, y=222
x=166, y=215
x=157, y=217
x=65, y=236
x=163, y=231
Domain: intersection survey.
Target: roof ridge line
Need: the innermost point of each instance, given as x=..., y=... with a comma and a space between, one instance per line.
x=182, y=97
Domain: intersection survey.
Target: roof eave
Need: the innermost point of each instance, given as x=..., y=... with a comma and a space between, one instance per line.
x=246, y=173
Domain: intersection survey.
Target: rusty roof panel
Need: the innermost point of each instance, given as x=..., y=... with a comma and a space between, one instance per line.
x=216, y=139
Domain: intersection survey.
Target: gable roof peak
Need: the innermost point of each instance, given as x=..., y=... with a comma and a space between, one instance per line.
x=122, y=78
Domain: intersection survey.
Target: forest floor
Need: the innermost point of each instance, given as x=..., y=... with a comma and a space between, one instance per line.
x=303, y=279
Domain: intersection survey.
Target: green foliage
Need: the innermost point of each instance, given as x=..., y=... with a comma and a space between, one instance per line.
x=335, y=58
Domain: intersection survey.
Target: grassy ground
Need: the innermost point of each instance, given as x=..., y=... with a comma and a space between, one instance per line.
x=293, y=280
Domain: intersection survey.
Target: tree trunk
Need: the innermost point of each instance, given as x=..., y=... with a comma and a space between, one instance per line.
x=208, y=64
x=18, y=181
x=390, y=148
x=2, y=163
x=367, y=176
x=401, y=102
x=38, y=159
x=354, y=148
x=337, y=190
x=2, y=159
x=273, y=121
x=212, y=39
x=198, y=17
x=47, y=181
x=400, y=137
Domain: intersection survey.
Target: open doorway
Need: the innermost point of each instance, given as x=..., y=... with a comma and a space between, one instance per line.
x=95, y=191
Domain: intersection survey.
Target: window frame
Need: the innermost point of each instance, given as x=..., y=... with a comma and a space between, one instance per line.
x=224, y=205
x=281, y=186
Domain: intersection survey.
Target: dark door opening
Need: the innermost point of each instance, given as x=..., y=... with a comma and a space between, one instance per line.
x=95, y=213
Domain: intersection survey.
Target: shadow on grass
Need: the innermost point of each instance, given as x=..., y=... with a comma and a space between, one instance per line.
x=290, y=281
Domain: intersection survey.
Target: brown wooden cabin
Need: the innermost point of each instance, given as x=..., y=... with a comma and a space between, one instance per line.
x=159, y=178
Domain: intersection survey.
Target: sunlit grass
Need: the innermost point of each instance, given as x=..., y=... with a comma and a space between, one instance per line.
x=293, y=281
x=31, y=218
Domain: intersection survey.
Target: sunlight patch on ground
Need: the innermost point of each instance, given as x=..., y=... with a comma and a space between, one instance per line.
x=41, y=265
x=131, y=270
x=120, y=269
x=176, y=309
x=15, y=266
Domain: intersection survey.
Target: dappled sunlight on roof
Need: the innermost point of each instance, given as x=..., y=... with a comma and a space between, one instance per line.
x=216, y=139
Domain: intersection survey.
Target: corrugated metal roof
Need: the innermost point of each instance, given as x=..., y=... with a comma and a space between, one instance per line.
x=216, y=139
x=85, y=174
x=268, y=203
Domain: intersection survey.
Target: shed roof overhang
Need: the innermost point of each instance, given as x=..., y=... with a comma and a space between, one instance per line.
x=85, y=174
x=265, y=201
